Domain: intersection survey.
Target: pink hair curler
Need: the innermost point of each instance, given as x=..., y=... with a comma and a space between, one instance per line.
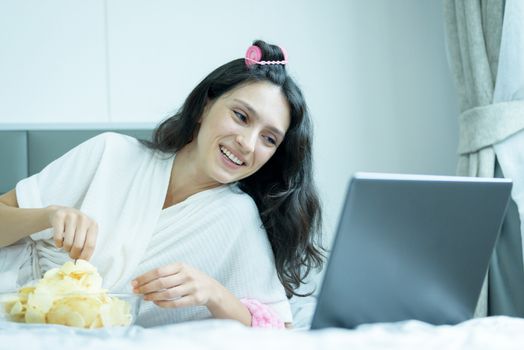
x=254, y=56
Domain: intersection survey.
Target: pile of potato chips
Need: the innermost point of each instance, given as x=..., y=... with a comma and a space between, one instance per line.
x=71, y=295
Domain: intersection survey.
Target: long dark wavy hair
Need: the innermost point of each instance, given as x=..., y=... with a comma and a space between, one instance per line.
x=283, y=189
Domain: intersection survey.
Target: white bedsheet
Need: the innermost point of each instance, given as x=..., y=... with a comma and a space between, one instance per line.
x=484, y=333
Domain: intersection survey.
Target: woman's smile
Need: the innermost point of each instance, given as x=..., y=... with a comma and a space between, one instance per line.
x=232, y=156
x=230, y=159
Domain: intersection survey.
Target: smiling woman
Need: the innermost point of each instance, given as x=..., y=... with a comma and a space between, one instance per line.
x=217, y=216
x=283, y=188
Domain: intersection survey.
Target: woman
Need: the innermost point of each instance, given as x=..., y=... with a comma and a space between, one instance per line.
x=218, y=216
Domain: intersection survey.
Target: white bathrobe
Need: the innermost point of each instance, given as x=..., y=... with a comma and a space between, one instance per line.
x=122, y=185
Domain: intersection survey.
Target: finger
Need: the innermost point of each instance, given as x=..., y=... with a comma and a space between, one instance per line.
x=182, y=302
x=169, y=294
x=58, y=233
x=69, y=233
x=160, y=284
x=156, y=273
x=79, y=240
x=90, y=242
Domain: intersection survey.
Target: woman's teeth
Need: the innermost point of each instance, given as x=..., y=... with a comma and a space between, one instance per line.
x=231, y=156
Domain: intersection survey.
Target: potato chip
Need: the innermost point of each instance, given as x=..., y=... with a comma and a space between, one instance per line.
x=87, y=307
x=24, y=292
x=58, y=314
x=16, y=309
x=41, y=301
x=116, y=312
x=34, y=315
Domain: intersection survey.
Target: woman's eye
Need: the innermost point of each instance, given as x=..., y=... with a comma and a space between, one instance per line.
x=241, y=116
x=271, y=140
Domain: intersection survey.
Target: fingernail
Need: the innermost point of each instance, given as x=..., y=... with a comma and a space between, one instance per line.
x=134, y=283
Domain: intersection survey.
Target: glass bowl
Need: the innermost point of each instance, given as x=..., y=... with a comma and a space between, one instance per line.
x=82, y=310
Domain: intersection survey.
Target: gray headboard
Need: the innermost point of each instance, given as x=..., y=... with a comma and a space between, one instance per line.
x=24, y=152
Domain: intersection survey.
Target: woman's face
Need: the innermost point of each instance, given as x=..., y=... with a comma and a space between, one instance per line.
x=240, y=131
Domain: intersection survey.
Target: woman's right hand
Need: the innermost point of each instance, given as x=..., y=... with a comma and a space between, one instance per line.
x=73, y=231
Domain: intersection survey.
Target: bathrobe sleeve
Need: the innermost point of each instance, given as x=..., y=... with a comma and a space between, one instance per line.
x=63, y=182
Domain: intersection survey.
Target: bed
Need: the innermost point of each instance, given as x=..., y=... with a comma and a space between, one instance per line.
x=484, y=333
x=32, y=147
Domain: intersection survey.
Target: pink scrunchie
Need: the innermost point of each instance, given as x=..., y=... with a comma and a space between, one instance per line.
x=261, y=315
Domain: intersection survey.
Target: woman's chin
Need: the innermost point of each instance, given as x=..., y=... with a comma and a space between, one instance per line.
x=225, y=178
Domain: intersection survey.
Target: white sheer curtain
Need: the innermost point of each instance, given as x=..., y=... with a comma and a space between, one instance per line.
x=509, y=92
x=485, y=48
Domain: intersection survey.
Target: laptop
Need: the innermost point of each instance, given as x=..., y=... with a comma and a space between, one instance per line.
x=411, y=247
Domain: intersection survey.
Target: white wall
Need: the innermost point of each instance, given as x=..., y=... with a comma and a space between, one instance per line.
x=374, y=72
x=52, y=62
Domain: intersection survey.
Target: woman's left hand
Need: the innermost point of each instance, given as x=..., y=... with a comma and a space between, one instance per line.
x=176, y=285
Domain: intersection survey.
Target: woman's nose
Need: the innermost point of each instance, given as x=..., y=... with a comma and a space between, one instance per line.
x=247, y=141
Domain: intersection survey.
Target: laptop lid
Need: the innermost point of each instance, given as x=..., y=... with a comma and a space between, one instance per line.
x=411, y=247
